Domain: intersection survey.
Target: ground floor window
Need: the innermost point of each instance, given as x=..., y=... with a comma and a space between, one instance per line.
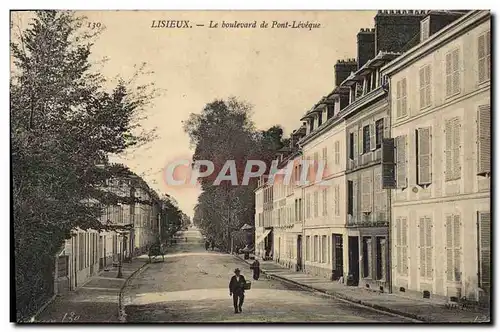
x=367, y=257
x=308, y=248
x=381, y=258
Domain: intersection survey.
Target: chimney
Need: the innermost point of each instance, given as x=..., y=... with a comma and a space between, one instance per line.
x=344, y=68
x=394, y=29
x=366, y=46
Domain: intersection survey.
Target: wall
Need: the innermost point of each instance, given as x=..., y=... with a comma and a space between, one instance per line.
x=464, y=196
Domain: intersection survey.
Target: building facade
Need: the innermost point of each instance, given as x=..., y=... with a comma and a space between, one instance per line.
x=440, y=110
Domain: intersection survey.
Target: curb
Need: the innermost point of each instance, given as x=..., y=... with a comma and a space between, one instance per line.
x=122, y=316
x=346, y=298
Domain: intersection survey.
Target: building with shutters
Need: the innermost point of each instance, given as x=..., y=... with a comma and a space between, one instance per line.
x=440, y=120
x=324, y=194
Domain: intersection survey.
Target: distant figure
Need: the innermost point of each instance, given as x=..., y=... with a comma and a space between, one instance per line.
x=207, y=245
x=256, y=269
x=212, y=245
x=237, y=290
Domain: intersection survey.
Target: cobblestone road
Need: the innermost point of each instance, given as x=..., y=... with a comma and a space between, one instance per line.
x=192, y=286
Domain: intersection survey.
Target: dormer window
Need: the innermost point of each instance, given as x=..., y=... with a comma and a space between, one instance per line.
x=424, y=29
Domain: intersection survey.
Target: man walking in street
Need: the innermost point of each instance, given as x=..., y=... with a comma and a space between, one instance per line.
x=237, y=290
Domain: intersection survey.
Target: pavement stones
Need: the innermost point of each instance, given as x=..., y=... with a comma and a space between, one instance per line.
x=428, y=311
x=97, y=301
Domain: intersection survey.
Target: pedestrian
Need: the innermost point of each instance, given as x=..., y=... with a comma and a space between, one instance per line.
x=237, y=290
x=256, y=269
x=207, y=244
x=213, y=245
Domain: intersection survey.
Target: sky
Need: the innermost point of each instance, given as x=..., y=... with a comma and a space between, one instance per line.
x=282, y=72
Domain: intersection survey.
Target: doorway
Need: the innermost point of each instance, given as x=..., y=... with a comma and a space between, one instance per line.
x=338, y=256
x=299, y=253
x=353, y=245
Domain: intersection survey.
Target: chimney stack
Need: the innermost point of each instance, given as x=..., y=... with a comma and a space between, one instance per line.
x=366, y=46
x=344, y=68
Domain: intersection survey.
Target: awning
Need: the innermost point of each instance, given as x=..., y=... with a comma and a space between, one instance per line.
x=263, y=236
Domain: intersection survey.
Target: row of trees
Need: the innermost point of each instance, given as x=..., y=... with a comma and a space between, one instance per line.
x=66, y=120
x=225, y=131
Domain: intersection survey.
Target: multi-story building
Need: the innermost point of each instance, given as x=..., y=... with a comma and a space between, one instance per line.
x=264, y=234
x=324, y=218
x=440, y=109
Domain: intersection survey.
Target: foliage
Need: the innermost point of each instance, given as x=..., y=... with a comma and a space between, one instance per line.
x=224, y=131
x=65, y=122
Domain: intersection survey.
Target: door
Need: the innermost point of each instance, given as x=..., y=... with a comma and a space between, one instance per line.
x=353, y=244
x=299, y=253
x=338, y=256
x=102, y=253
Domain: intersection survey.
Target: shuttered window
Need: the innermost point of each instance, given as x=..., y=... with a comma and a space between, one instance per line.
x=337, y=152
x=401, y=162
x=316, y=248
x=453, y=72
x=337, y=200
x=316, y=207
x=308, y=206
x=402, y=245
x=325, y=156
x=483, y=140
x=452, y=149
x=425, y=246
x=324, y=247
x=424, y=30
x=366, y=192
x=424, y=161
x=379, y=133
x=484, y=248
x=308, y=248
x=325, y=202
x=401, y=102
x=425, y=86
x=484, y=57
x=453, y=248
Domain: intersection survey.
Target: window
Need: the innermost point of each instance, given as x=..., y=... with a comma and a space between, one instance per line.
x=325, y=202
x=452, y=149
x=453, y=72
x=316, y=248
x=308, y=206
x=453, y=248
x=401, y=104
x=325, y=156
x=381, y=258
x=336, y=200
x=484, y=248
x=350, y=197
x=366, y=192
x=367, y=257
x=366, y=139
x=300, y=208
x=425, y=245
x=324, y=247
x=337, y=153
x=425, y=86
x=401, y=162
x=484, y=57
x=402, y=245
x=316, y=204
x=424, y=29
x=316, y=158
x=424, y=163
x=352, y=146
x=483, y=140
x=308, y=248
x=379, y=133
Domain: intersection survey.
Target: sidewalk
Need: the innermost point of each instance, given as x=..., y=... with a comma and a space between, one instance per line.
x=96, y=301
x=426, y=310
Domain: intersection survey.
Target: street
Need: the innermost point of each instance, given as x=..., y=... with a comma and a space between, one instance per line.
x=192, y=286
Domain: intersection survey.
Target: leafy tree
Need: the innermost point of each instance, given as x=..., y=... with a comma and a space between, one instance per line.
x=64, y=125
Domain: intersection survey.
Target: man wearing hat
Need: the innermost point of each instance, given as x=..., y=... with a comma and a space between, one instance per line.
x=237, y=290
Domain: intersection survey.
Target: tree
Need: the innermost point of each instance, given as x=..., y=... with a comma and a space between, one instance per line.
x=224, y=131
x=64, y=125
